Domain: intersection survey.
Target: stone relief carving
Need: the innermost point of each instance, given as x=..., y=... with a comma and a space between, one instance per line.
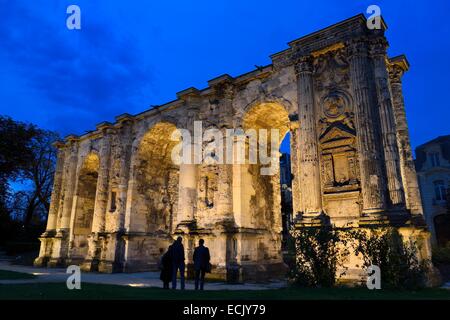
x=333, y=105
x=331, y=71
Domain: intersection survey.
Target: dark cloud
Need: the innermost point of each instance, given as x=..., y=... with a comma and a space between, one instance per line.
x=89, y=74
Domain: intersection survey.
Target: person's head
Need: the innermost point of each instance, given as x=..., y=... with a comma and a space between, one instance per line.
x=179, y=239
x=161, y=250
x=201, y=242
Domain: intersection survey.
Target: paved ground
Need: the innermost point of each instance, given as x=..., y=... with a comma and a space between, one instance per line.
x=140, y=279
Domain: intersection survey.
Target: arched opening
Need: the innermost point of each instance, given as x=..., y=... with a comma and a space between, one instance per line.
x=157, y=179
x=442, y=229
x=261, y=195
x=154, y=197
x=286, y=188
x=85, y=202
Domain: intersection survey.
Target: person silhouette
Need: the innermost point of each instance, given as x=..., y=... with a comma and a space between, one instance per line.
x=201, y=264
x=165, y=265
x=177, y=253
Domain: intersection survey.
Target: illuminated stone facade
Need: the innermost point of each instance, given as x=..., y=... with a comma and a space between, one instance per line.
x=118, y=197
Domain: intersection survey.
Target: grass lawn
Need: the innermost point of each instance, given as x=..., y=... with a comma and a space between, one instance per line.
x=12, y=275
x=97, y=291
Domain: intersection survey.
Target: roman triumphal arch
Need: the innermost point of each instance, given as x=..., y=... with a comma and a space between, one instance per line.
x=119, y=197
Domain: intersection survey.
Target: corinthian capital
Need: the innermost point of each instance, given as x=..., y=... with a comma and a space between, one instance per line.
x=397, y=67
x=357, y=47
x=396, y=73
x=303, y=65
x=378, y=46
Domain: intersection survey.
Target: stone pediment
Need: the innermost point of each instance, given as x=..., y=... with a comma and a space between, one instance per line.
x=337, y=135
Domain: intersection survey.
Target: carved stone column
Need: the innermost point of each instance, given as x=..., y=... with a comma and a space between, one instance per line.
x=69, y=187
x=309, y=167
x=294, y=127
x=112, y=259
x=225, y=192
x=224, y=92
x=391, y=155
x=408, y=170
x=101, y=195
x=187, y=202
x=126, y=141
x=101, y=200
x=369, y=144
x=57, y=188
x=188, y=176
x=52, y=220
x=61, y=240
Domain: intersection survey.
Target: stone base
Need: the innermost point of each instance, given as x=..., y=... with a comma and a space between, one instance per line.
x=77, y=261
x=386, y=219
x=41, y=261
x=112, y=267
x=263, y=272
x=56, y=263
x=89, y=265
x=248, y=272
x=312, y=220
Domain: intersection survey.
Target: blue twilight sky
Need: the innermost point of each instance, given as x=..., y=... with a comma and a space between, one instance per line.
x=130, y=55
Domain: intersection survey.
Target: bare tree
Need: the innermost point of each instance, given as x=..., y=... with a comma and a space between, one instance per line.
x=39, y=171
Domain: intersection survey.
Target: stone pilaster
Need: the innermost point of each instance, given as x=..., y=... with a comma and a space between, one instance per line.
x=61, y=239
x=225, y=192
x=101, y=202
x=187, y=193
x=101, y=195
x=124, y=172
x=46, y=237
x=388, y=132
x=309, y=172
x=57, y=188
x=408, y=170
x=112, y=260
x=367, y=135
x=224, y=90
x=294, y=127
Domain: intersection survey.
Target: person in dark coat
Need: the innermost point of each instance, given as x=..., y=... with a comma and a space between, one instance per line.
x=201, y=263
x=177, y=254
x=165, y=265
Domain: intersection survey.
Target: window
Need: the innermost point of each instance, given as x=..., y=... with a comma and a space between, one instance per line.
x=440, y=190
x=434, y=158
x=113, y=202
x=442, y=227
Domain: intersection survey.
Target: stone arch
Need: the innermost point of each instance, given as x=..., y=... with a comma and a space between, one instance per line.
x=261, y=197
x=85, y=202
x=280, y=102
x=153, y=197
x=156, y=180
